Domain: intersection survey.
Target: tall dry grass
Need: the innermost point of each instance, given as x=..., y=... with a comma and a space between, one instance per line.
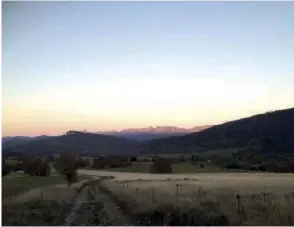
x=177, y=203
x=47, y=206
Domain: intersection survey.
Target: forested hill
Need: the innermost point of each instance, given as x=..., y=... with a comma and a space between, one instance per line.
x=268, y=132
x=77, y=142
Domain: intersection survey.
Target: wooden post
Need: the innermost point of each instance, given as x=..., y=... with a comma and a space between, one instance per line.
x=239, y=208
x=153, y=197
x=177, y=191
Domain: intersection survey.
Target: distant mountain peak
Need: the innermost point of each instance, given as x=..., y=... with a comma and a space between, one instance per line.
x=160, y=129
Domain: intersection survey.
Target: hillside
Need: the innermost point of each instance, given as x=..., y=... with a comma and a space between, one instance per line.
x=15, y=140
x=77, y=142
x=270, y=133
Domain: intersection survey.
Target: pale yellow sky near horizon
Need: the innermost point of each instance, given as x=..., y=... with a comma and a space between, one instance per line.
x=109, y=65
x=140, y=102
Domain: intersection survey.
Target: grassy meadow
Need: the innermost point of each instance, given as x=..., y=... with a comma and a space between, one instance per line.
x=229, y=199
x=16, y=183
x=36, y=200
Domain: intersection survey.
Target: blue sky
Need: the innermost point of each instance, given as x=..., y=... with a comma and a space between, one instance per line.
x=111, y=65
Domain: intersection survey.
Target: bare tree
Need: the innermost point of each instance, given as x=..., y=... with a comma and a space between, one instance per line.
x=67, y=166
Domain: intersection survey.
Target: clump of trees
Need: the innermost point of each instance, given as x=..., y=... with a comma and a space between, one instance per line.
x=36, y=167
x=81, y=163
x=182, y=158
x=111, y=162
x=162, y=165
x=67, y=166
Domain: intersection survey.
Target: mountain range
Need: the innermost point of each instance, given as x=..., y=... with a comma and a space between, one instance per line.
x=267, y=133
x=149, y=133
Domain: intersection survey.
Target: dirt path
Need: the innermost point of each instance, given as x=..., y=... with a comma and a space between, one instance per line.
x=76, y=205
x=97, y=209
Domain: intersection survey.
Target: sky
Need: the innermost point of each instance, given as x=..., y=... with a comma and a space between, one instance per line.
x=114, y=65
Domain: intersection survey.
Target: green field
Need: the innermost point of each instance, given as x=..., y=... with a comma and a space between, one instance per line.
x=177, y=168
x=16, y=183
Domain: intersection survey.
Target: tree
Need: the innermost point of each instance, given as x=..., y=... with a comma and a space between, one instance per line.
x=36, y=167
x=66, y=165
x=162, y=165
x=5, y=168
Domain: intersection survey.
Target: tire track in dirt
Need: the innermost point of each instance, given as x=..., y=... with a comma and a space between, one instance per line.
x=97, y=208
x=76, y=205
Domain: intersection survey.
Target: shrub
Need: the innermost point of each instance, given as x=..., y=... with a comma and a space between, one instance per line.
x=111, y=162
x=98, y=163
x=261, y=168
x=88, y=162
x=18, y=166
x=153, y=159
x=253, y=168
x=201, y=165
x=162, y=165
x=81, y=163
x=66, y=165
x=234, y=165
x=182, y=158
x=134, y=159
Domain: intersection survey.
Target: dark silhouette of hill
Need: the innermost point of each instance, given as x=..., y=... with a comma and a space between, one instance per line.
x=76, y=142
x=141, y=136
x=271, y=132
x=15, y=140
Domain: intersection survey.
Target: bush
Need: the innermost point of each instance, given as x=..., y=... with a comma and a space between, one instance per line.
x=88, y=162
x=134, y=159
x=234, y=165
x=253, y=168
x=81, y=163
x=182, y=158
x=98, y=163
x=154, y=158
x=111, y=162
x=261, y=168
x=36, y=167
x=18, y=166
x=201, y=165
x=162, y=165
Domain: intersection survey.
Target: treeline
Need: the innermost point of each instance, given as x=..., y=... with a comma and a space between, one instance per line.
x=65, y=163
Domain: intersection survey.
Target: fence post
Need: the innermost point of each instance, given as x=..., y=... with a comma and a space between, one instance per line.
x=153, y=197
x=177, y=186
x=239, y=208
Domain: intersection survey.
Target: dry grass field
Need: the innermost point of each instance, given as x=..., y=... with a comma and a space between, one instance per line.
x=35, y=200
x=204, y=198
